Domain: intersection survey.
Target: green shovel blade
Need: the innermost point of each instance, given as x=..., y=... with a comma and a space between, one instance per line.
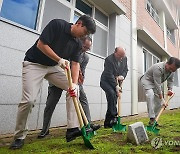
x=86, y=138
x=118, y=126
x=152, y=128
x=92, y=133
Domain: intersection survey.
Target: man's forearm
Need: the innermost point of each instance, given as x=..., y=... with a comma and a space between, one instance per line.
x=75, y=71
x=47, y=51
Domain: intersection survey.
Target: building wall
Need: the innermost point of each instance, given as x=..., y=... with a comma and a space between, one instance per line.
x=13, y=45
x=127, y=4
x=123, y=38
x=144, y=20
x=16, y=40
x=172, y=48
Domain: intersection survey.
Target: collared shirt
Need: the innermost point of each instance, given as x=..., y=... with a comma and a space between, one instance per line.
x=57, y=35
x=83, y=62
x=156, y=75
x=114, y=68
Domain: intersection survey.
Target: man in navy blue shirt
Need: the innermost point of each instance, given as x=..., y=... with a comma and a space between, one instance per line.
x=47, y=58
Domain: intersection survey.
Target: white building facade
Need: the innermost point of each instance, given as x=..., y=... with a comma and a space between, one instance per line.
x=118, y=24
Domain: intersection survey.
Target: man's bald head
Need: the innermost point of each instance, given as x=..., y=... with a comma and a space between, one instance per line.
x=119, y=53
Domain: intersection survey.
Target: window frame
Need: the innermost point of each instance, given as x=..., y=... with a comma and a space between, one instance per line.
x=153, y=11
x=77, y=11
x=145, y=59
x=170, y=34
x=38, y=19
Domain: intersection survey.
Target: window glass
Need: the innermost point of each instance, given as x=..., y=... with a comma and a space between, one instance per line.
x=23, y=12
x=59, y=11
x=149, y=59
x=100, y=42
x=76, y=17
x=170, y=34
x=85, y=8
x=100, y=38
x=152, y=11
x=101, y=17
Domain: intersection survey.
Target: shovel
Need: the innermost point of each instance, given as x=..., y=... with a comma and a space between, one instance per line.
x=118, y=126
x=85, y=136
x=87, y=124
x=152, y=128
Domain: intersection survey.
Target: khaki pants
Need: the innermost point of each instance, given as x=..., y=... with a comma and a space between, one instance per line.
x=154, y=104
x=32, y=78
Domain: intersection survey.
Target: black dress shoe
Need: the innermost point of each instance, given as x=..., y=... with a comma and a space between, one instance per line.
x=151, y=121
x=42, y=134
x=95, y=127
x=17, y=144
x=110, y=123
x=72, y=133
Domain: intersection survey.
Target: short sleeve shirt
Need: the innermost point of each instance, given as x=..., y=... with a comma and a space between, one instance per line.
x=57, y=35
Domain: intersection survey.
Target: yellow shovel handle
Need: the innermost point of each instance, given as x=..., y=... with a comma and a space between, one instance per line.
x=119, y=99
x=68, y=73
x=163, y=108
x=83, y=114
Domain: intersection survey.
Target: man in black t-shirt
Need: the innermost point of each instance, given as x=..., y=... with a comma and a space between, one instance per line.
x=47, y=58
x=54, y=94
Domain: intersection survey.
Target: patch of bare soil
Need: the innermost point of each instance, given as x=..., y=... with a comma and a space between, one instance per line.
x=114, y=138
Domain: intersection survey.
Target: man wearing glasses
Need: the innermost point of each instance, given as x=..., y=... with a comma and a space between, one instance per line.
x=47, y=58
x=54, y=94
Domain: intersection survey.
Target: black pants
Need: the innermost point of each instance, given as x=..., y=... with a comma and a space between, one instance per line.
x=111, y=97
x=84, y=102
x=54, y=94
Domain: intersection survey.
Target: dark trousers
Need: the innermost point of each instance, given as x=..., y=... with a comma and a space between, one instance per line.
x=111, y=97
x=54, y=94
x=84, y=102
x=53, y=97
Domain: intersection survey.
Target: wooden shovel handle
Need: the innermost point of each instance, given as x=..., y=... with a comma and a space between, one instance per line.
x=83, y=114
x=68, y=73
x=163, y=108
x=119, y=99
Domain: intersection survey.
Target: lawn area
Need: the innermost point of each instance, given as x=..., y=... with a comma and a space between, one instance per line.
x=106, y=141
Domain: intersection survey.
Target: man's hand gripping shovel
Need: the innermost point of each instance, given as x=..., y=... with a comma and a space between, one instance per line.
x=86, y=136
x=152, y=128
x=118, y=126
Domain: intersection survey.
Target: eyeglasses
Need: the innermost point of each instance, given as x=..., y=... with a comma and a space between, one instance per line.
x=86, y=48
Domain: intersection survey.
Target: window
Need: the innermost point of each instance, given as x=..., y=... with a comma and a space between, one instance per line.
x=152, y=11
x=170, y=34
x=149, y=59
x=100, y=42
x=76, y=17
x=101, y=17
x=84, y=7
x=23, y=12
x=100, y=38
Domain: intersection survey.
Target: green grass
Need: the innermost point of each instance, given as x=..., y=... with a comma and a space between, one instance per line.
x=106, y=141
